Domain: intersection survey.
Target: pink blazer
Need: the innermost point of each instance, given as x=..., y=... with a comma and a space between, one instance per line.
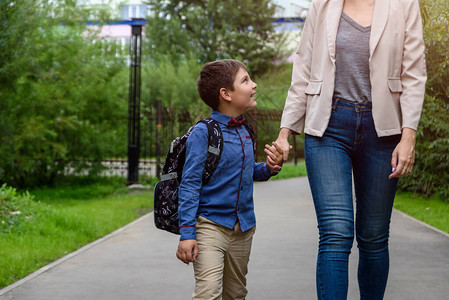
x=397, y=68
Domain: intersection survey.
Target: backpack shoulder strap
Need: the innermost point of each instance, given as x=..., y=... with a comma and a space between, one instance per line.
x=215, y=148
x=250, y=130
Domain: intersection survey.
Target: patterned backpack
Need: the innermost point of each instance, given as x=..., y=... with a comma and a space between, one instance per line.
x=166, y=190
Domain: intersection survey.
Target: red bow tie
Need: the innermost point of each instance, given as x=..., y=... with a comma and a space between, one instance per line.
x=235, y=123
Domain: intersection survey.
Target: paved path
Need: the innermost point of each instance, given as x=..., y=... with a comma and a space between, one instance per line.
x=138, y=262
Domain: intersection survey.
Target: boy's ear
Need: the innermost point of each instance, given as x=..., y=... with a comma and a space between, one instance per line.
x=225, y=94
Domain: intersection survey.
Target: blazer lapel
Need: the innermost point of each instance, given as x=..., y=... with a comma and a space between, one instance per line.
x=380, y=17
x=332, y=22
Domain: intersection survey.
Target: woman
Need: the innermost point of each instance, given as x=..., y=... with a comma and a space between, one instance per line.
x=357, y=89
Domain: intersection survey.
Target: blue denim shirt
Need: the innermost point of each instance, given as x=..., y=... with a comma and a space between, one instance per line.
x=228, y=196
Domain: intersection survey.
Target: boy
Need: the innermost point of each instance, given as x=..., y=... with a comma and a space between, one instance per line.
x=217, y=220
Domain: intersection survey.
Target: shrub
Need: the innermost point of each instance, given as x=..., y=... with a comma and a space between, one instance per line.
x=435, y=16
x=60, y=103
x=431, y=173
x=15, y=209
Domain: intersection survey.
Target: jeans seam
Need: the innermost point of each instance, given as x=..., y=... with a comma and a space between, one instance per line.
x=363, y=125
x=356, y=141
x=320, y=286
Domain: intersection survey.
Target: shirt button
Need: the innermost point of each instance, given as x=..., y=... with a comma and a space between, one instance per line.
x=241, y=188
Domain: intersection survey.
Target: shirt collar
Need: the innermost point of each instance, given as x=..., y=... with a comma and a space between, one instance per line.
x=219, y=117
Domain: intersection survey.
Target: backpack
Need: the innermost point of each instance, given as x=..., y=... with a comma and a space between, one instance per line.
x=166, y=190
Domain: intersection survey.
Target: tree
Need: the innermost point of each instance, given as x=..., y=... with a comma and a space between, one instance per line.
x=431, y=173
x=435, y=15
x=59, y=98
x=214, y=29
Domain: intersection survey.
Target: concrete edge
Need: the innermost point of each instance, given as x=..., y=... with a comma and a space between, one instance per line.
x=422, y=223
x=70, y=255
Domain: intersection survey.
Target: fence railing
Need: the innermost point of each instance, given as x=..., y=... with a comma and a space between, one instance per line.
x=161, y=124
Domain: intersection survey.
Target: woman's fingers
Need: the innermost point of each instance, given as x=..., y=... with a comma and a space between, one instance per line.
x=402, y=161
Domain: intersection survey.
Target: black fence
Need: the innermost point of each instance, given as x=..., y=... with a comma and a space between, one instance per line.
x=160, y=125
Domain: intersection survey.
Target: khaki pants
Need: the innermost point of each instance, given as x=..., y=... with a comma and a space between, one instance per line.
x=222, y=263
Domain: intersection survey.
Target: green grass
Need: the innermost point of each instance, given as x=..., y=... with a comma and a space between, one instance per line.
x=62, y=219
x=433, y=211
x=289, y=170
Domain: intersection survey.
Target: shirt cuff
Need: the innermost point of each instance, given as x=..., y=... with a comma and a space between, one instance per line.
x=267, y=172
x=187, y=233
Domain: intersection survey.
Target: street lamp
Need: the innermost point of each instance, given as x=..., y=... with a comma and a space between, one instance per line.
x=134, y=100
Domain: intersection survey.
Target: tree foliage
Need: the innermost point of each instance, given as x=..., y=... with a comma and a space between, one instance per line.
x=431, y=175
x=59, y=99
x=214, y=29
x=431, y=170
x=435, y=15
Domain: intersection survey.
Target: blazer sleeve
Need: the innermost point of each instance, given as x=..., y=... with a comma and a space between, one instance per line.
x=413, y=73
x=293, y=116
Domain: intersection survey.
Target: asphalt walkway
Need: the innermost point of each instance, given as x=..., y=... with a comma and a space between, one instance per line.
x=138, y=261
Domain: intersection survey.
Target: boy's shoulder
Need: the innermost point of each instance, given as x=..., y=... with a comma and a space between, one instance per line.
x=206, y=135
x=199, y=133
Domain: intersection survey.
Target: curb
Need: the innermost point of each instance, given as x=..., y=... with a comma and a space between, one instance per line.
x=422, y=223
x=70, y=255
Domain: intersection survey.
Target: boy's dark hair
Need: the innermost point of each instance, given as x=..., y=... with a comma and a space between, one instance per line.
x=216, y=75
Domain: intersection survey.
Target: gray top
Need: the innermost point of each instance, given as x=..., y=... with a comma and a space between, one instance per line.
x=352, y=81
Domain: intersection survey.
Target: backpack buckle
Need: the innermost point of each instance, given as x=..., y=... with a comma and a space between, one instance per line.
x=169, y=176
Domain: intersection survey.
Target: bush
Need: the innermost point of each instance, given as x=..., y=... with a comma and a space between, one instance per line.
x=172, y=82
x=15, y=210
x=60, y=101
x=431, y=173
x=435, y=15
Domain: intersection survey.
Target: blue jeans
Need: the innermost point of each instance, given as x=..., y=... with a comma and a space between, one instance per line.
x=351, y=145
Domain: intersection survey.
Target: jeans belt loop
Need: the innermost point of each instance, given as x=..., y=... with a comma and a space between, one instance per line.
x=335, y=104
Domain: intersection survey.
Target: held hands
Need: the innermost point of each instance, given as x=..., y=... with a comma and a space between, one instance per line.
x=274, y=157
x=403, y=157
x=187, y=251
x=282, y=141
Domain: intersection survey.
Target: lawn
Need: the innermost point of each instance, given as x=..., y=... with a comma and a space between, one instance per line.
x=433, y=211
x=61, y=219
x=290, y=170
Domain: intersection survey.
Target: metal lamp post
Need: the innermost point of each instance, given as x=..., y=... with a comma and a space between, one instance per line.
x=134, y=101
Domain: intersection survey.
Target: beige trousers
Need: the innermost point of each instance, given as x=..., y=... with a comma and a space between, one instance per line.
x=222, y=263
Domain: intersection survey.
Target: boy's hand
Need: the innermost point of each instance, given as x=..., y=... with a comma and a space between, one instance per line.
x=274, y=157
x=187, y=251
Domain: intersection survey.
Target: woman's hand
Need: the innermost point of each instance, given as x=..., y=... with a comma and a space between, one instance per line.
x=282, y=142
x=403, y=157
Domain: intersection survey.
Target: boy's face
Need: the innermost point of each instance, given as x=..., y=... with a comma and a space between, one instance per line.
x=243, y=95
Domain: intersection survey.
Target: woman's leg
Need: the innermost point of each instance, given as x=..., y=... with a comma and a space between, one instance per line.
x=374, y=197
x=329, y=163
